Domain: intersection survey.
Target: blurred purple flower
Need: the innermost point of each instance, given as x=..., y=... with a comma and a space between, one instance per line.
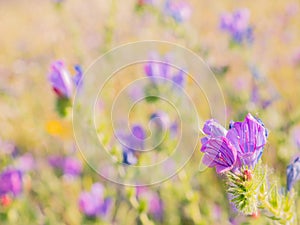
x=67, y=165
x=161, y=120
x=78, y=76
x=11, y=182
x=25, y=163
x=60, y=80
x=228, y=150
x=156, y=68
x=7, y=147
x=179, y=10
x=155, y=204
x=56, y=161
x=132, y=143
x=72, y=166
x=296, y=136
x=93, y=203
x=144, y=2
x=159, y=69
x=237, y=24
x=293, y=173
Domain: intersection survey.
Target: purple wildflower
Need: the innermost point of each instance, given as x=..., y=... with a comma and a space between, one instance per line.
x=293, y=173
x=60, y=80
x=155, y=204
x=237, y=24
x=249, y=138
x=219, y=153
x=11, y=182
x=161, y=120
x=296, y=136
x=160, y=68
x=180, y=11
x=228, y=150
x=132, y=143
x=56, y=161
x=78, y=75
x=8, y=148
x=67, y=165
x=25, y=163
x=93, y=203
x=72, y=166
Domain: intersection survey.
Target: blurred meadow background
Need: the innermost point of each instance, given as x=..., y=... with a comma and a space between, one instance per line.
x=253, y=48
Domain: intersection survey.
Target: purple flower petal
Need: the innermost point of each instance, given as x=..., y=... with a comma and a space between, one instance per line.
x=60, y=80
x=219, y=153
x=248, y=138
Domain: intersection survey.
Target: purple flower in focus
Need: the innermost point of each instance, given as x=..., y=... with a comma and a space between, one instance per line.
x=179, y=10
x=60, y=80
x=93, y=203
x=237, y=24
x=242, y=144
x=213, y=130
x=293, y=173
x=11, y=182
x=249, y=138
x=219, y=153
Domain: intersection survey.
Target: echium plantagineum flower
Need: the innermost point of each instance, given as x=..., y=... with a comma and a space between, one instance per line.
x=132, y=143
x=94, y=203
x=11, y=182
x=160, y=68
x=237, y=24
x=179, y=10
x=241, y=145
x=293, y=173
x=155, y=204
x=61, y=80
x=69, y=166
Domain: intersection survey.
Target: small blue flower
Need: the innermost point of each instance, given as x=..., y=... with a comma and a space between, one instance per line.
x=78, y=76
x=293, y=173
x=94, y=203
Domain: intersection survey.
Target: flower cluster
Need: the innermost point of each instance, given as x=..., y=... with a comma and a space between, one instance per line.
x=237, y=25
x=241, y=145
